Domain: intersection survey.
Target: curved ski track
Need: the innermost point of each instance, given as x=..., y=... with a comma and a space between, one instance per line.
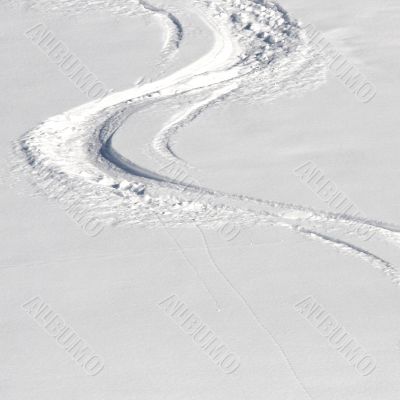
x=258, y=53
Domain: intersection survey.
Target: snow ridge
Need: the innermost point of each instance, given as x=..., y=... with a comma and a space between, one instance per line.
x=259, y=52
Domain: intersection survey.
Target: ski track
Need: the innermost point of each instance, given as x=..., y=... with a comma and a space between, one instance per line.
x=259, y=52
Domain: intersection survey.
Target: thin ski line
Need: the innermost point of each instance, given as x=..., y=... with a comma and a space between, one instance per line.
x=256, y=318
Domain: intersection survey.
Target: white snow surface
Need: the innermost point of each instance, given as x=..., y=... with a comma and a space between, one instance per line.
x=258, y=53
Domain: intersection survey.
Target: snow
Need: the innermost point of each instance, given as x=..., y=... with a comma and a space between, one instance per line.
x=233, y=94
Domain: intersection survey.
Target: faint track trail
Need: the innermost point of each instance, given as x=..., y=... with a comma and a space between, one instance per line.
x=258, y=52
x=261, y=324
